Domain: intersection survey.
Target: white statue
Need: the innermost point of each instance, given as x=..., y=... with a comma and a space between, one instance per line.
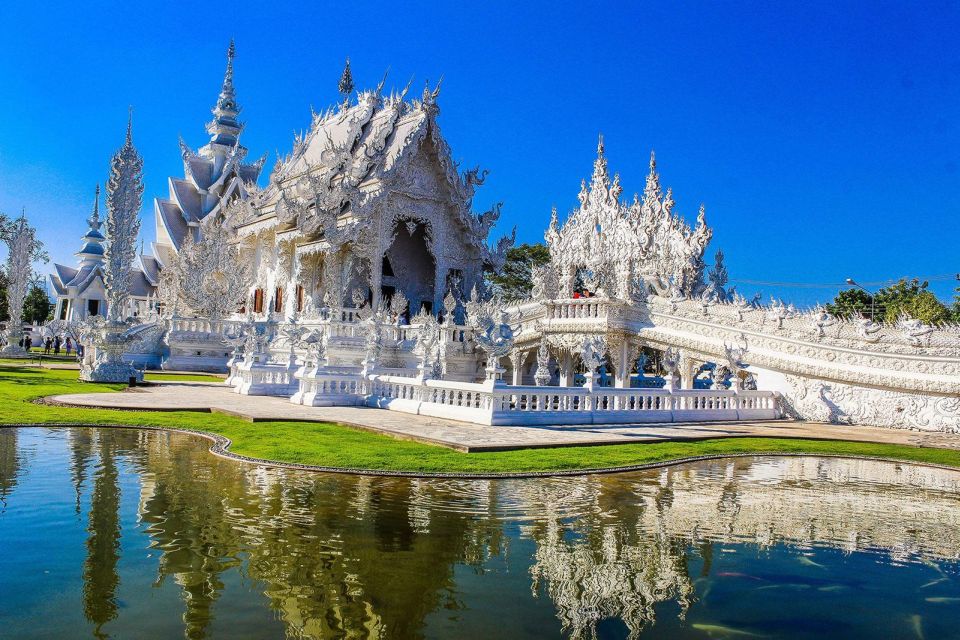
x=23, y=250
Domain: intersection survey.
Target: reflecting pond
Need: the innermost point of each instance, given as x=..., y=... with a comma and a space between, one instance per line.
x=127, y=533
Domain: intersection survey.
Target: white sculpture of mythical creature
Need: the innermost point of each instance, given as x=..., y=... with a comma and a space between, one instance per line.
x=292, y=334
x=426, y=343
x=259, y=335
x=706, y=300
x=398, y=306
x=592, y=351
x=913, y=330
x=316, y=344
x=719, y=375
x=734, y=362
x=373, y=343
x=777, y=312
x=676, y=297
x=741, y=305
x=494, y=334
x=546, y=283
x=671, y=368
x=867, y=329
x=208, y=276
x=542, y=376
x=820, y=320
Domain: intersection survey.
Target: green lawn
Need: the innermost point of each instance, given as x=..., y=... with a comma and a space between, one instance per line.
x=339, y=446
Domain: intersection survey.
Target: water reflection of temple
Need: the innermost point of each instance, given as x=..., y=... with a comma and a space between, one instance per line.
x=344, y=556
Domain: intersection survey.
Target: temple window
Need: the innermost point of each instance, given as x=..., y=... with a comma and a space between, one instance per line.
x=278, y=300
x=300, y=294
x=258, y=301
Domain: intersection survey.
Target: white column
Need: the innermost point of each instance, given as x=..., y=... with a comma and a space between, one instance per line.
x=566, y=369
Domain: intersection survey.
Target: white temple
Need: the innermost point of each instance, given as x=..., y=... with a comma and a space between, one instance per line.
x=80, y=291
x=356, y=275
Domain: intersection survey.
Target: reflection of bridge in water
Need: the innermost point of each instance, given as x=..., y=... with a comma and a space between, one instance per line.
x=359, y=556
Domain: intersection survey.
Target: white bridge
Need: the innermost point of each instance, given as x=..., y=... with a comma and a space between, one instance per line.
x=801, y=365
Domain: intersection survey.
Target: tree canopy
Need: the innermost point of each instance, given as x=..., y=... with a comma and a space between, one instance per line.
x=36, y=306
x=904, y=296
x=515, y=280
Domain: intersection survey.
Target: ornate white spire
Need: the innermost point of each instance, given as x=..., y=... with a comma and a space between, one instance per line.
x=224, y=128
x=124, y=197
x=94, y=220
x=345, y=86
x=92, y=248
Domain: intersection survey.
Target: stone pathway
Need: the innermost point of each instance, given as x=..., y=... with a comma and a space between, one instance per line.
x=203, y=396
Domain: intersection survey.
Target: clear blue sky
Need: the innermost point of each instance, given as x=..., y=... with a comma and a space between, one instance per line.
x=822, y=136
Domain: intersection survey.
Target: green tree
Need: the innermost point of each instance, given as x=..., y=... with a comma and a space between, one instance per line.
x=36, y=306
x=850, y=301
x=912, y=297
x=515, y=280
x=903, y=296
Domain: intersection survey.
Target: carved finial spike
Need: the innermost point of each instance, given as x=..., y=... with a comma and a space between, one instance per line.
x=345, y=85
x=382, y=82
x=600, y=146
x=653, y=160
x=130, y=125
x=231, y=53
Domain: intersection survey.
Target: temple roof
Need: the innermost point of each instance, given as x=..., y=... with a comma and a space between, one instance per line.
x=151, y=269
x=212, y=174
x=362, y=141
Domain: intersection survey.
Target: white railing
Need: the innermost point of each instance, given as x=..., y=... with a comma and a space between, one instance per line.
x=522, y=405
x=257, y=378
x=200, y=325
x=318, y=388
x=578, y=308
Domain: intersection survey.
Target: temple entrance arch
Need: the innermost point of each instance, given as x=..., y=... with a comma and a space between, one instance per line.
x=408, y=266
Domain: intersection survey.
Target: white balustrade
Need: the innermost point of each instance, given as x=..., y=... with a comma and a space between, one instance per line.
x=499, y=404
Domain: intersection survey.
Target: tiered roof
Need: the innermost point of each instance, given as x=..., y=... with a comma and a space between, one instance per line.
x=91, y=256
x=351, y=155
x=213, y=175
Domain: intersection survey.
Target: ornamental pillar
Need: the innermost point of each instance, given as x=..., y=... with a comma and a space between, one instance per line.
x=566, y=369
x=622, y=366
x=517, y=358
x=688, y=371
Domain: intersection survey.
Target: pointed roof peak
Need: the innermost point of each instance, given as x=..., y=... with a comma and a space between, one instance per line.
x=94, y=220
x=600, y=147
x=129, y=140
x=345, y=85
x=653, y=160
x=228, y=75
x=224, y=127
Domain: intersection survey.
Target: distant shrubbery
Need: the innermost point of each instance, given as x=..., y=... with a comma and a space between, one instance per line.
x=904, y=296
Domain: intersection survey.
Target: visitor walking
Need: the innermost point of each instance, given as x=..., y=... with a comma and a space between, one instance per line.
x=47, y=345
x=69, y=345
x=56, y=346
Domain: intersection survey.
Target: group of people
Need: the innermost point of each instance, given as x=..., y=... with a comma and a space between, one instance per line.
x=53, y=344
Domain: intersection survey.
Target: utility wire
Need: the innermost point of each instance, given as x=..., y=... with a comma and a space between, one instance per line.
x=832, y=285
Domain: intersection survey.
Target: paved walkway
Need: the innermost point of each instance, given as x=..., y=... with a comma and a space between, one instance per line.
x=200, y=396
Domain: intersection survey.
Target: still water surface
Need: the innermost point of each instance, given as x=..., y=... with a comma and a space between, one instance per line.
x=142, y=534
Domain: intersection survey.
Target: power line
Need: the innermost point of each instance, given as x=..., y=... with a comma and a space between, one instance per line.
x=833, y=285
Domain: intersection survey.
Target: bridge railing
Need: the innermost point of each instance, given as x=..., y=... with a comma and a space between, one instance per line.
x=499, y=404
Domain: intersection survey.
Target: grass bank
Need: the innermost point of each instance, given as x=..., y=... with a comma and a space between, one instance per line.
x=333, y=445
